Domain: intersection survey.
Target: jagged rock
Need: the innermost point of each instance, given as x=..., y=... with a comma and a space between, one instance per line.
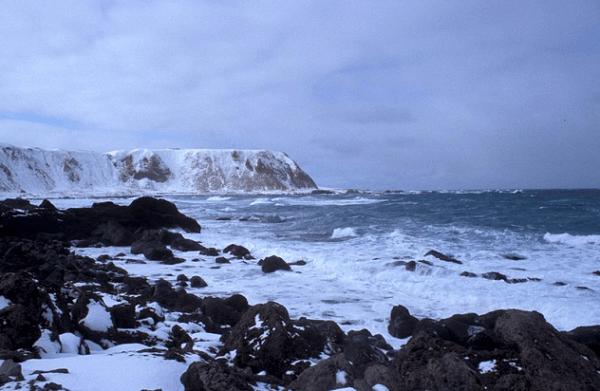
x=214, y=376
x=402, y=323
x=273, y=263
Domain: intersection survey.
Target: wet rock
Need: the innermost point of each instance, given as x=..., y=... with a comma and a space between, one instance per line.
x=442, y=257
x=238, y=251
x=410, y=266
x=559, y=283
x=208, y=376
x=402, y=323
x=222, y=260
x=197, y=282
x=514, y=257
x=596, y=273
x=158, y=253
x=208, y=251
x=300, y=262
x=468, y=274
x=274, y=263
x=183, y=244
x=494, y=276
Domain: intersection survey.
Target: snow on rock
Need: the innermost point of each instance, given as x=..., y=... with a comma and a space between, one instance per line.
x=487, y=366
x=97, y=318
x=4, y=302
x=36, y=171
x=69, y=343
x=46, y=347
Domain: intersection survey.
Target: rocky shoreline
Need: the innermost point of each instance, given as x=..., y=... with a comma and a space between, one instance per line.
x=55, y=301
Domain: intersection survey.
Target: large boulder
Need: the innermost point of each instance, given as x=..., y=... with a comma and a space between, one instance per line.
x=273, y=263
x=265, y=339
x=238, y=251
x=402, y=323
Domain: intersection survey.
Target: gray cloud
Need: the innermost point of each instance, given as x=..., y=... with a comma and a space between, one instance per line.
x=418, y=94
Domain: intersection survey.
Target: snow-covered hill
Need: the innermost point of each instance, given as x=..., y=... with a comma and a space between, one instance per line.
x=35, y=171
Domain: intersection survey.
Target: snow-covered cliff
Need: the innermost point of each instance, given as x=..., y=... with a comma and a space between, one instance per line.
x=36, y=171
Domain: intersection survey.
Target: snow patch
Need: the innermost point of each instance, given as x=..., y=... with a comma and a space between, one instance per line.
x=4, y=302
x=487, y=366
x=97, y=318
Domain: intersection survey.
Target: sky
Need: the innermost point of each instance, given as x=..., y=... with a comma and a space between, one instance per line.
x=362, y=94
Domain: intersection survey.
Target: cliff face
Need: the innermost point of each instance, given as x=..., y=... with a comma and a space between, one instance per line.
x=37, y=171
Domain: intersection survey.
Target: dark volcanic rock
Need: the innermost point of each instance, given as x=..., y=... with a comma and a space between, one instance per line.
x=45, y=204
x=402, y=323
x=214, y=376
x=225, y=311
x=468, y=274
x=104, y=222
x=442, y=257
x=157, y=253
x=266, y=339
x=588, y=336
x=197, y=282
x=238, y=251
x=273, y=263
x=178, y=300
x=222, y=260
x=123, y=316
x=208, y=251
x=183, y=244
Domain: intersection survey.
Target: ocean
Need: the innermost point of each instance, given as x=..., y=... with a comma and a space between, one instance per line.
x=353, y=243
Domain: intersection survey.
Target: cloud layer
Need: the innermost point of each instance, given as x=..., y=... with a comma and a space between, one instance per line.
x=386, y=94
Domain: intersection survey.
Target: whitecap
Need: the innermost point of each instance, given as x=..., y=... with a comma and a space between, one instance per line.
x=261, y=201
x=347, y=232
x=217, y=198
x=572, y=240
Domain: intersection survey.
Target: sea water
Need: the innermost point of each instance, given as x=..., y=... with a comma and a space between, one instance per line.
x=352, y=243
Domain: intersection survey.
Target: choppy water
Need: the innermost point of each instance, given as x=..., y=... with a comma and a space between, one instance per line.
x=351, y=240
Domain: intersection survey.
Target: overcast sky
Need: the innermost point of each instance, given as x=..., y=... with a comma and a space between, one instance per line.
x=370, y=94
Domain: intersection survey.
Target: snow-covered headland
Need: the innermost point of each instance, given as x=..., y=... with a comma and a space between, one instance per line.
x=34, y=171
